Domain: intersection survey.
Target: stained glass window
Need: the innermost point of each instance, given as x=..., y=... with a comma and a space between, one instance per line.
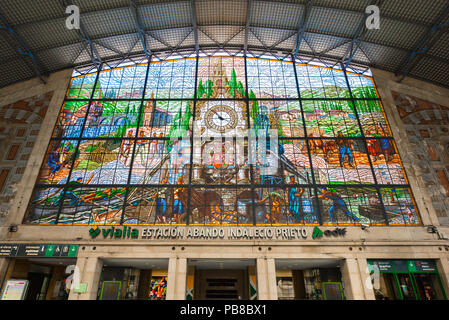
x=222, y=140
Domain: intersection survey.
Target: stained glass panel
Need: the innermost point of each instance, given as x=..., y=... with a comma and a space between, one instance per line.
x=340, y=161
x=362, y=87
x=103, y=162
x=372, y=118
x=329, y=118
x=399, y=206
x=81, y=87
x=290, y=206
x=171, y=79
x=71, y=119
x=351, y=205
x=121, y=83
x=163, y=205
x=92, y=205
x=43, y=206
x=60, y=157
x=111, y=119
x=221, y=206
x=271, y=79
x=319, y=82
x=218, y=150
x=221, y=77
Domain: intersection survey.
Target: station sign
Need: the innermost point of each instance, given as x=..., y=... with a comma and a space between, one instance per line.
x=38, y=250
x=212, y=233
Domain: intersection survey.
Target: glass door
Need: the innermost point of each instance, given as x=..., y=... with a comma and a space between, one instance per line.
x=406, y=286
x=428, y=286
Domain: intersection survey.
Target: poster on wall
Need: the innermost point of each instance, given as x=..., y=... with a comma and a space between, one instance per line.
x=15, y=290
x=158, y=288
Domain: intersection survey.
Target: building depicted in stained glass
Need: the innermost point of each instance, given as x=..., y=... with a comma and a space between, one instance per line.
x=224, y=174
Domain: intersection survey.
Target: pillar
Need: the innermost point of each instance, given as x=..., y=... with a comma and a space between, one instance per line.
x=366, y=279
x=89, y=272
x=176, y=279
x=443, y=270
x=354, y=280
x=266, y=279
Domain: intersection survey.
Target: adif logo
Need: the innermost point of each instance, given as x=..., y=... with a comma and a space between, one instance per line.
x=373, y=20
x=72, y=21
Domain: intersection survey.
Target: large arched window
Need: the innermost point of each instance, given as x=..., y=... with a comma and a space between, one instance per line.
x=169, y=142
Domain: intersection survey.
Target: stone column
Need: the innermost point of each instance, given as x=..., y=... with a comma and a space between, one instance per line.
x=176, y=279
x=266, y=279
x=353, y=280
x=443, y=270
x=89, y=272
x=366, y=279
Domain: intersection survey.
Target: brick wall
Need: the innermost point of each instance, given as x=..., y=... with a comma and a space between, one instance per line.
x=20, y=123
x=427, y=128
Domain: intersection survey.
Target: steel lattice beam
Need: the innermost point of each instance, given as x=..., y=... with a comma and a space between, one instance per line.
x=247, y=24
x=139, y=28
x=94, y=56
x=425, y=43
x=23, y=50
x=195, y=26
x=358, y=37
x=303, y=26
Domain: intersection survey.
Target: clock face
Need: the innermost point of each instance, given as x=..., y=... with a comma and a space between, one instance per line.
x=221, y=118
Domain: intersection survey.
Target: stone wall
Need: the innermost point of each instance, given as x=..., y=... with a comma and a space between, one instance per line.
x=418, y=113
x=28, y=112
x=427, y=128
x=20, y=123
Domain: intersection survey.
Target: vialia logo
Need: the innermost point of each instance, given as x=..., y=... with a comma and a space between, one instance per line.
x=113, y=232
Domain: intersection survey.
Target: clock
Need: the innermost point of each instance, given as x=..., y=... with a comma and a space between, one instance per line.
x=221, y=118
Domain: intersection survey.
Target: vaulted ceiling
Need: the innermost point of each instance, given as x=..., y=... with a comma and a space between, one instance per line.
x=413, y=39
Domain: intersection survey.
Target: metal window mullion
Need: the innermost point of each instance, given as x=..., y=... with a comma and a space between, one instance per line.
x=251, y=166
x=78, y=145
x=195, y=98
x=139, y=118
x=306, y=139
x=356, y=113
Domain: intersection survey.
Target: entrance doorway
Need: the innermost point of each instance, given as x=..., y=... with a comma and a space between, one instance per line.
x=406, y=280
x=309, y=279
x=221, y=279
x=46, y=278
x=133, y=279
x=222, y=285
x=38, y=285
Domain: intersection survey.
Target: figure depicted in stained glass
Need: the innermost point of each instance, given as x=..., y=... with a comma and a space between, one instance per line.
x=220, y=216
x=125, y=147
x=141, y=148
x=160, y=145
x=385, y=144
x=345, y=149
x=178, y=208
x=294, y=201
x=161, y=203
x=275, y=202
x=54, y=162
x=374, y=149
x=337, y=204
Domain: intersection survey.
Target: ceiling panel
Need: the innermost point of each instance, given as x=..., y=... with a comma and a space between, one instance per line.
x=220, y=12
x=274, y=24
